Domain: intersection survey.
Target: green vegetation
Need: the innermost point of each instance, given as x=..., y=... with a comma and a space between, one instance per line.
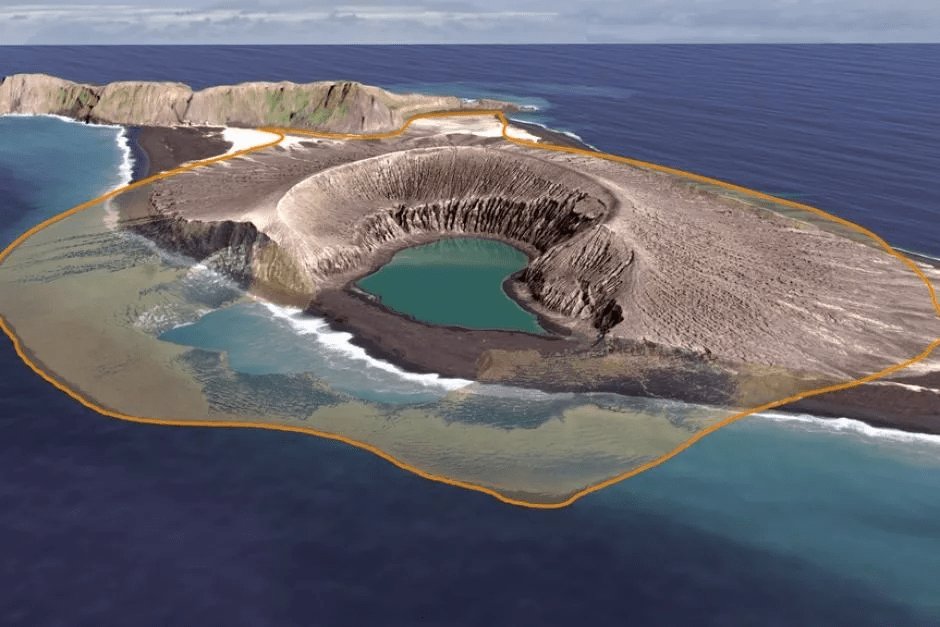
x=224, y=106
x=62, y=97
x=319, y=116
x=271, y=101
x=84, y=98
x=301, y=100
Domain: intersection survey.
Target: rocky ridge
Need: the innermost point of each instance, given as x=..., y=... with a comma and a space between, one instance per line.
x=553, y=213
x=345, y=106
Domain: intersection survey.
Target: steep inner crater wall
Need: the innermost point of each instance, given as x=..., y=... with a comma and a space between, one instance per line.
x=340, y=220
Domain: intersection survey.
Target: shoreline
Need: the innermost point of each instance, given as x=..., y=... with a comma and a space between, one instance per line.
x=390, y=336
x=384, y=340
x=550, y=136
x=140, y=163
x=165, y=148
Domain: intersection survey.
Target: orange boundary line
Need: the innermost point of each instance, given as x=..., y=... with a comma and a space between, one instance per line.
x=281, y=133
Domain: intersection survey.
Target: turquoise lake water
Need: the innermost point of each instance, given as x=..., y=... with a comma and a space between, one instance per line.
x=811, y=521
x=454, y=282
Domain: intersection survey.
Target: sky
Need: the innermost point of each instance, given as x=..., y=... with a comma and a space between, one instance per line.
x=468, y=21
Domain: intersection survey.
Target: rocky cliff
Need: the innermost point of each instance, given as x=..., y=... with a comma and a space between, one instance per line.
x=582, y=277
x=228, y=247
x=334, y=106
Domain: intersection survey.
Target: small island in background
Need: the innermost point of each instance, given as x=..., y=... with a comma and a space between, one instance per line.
x=647, y=283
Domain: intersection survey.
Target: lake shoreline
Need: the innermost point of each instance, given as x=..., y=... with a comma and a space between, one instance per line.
x=510, y=286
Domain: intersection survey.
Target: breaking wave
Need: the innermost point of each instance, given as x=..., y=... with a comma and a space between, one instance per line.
x=340, y=342
x=849, y=426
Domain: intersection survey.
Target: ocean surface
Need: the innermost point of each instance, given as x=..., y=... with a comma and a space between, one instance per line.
x=776, y=520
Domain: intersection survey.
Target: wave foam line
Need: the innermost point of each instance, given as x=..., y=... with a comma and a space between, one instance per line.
x=558, y=130
x=125, y=171
x=339, y=342
x=126, y=168
x=48, y=115
x=847, y=425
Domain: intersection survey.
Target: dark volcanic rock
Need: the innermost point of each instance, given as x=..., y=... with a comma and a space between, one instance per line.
x=231, y=246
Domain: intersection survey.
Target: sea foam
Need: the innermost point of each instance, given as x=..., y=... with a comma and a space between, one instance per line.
x=46, y=115
x=340, y=342
x=563, y=132
x=847, y=425
x=125, y=168
x=125, y=173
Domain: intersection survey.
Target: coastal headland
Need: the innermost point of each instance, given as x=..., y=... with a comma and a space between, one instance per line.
x=340, y=106
x=652, y=283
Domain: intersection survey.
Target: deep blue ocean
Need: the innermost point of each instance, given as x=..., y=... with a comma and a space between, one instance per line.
x=767, y=522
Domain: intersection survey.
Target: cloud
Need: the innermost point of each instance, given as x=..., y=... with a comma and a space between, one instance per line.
x=462, y=21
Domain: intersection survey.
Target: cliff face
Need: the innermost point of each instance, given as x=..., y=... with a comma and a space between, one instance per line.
x=152, y=104
x=39, y=93
x=335, y=221
x=582, y=277
x=228, y=247
x=334, y=106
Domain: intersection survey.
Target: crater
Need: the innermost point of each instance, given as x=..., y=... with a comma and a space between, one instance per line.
x=645, y=283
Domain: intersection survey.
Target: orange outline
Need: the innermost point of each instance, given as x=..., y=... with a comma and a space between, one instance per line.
x=282, y=132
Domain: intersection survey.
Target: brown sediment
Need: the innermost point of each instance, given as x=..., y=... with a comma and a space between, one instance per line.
x=861, y=305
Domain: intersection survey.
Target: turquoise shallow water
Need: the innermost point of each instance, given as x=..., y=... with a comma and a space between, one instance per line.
x=454, y=282
x=762, y=523
x=48, y=165
x=264, y=339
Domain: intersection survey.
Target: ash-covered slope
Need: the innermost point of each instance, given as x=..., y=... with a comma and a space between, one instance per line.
x=334, y=219
x=636, y=255
x=334, y=106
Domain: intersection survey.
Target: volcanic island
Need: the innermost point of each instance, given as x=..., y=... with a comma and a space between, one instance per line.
x=648, y=283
